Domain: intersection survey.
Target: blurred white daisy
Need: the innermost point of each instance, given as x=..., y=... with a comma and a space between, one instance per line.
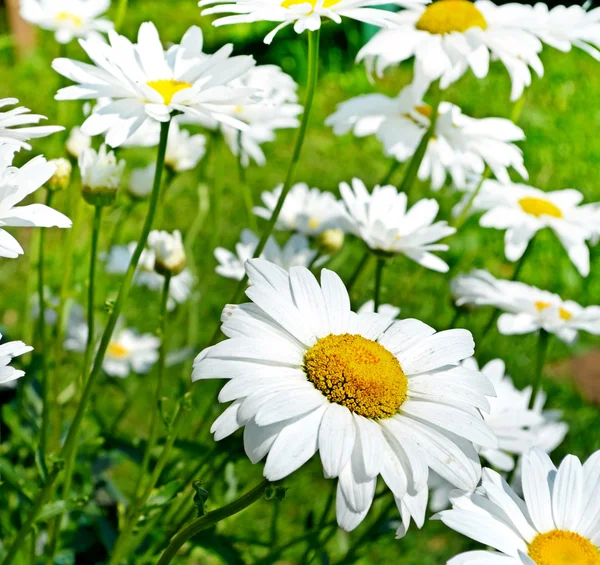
x=385, y=309
x=447, y=37
x=15, y=185
x=145, y=82
x=522, y=211
x=169, y=254
x=381, y=219
x=527, y=308
x=184, y=150
x=141, y=181
x=77, y=142
x=295, y=253
x=306, y=210
x=12, y=121
x=556, y=523
x=101, y=175
x=8, y=351
x=303, y=14
x=372, y=396
x=460, y=145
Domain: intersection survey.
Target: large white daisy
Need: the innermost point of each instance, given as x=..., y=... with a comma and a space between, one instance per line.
x=8, y=351
x=381, y=219
x=372, y=396
x=145, y=82
x=555, y=524
x=448, y=37
x=303, y=14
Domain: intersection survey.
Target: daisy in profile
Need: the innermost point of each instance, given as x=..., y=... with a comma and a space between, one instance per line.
x=304, y=15
x=306, y=210
x=8, y=351
x=15, y=185
x=526, y=308
x=68, y=19
x=370, y=394
x=12, y=121
x=449, y=37
x=383, y=221
x=522, y=211
x=460, y=146
x=295, y=253
x=145, y=82
x=555, y=523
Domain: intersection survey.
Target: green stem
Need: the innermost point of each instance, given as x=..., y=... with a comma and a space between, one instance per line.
x=462, y=218
x=415, y=163
x=121, y=13
x=210, y=519
x=45, y=430
x=378, y=280
x=458, y=313
x=359, y=269
x=392, y=170
x=542, y=349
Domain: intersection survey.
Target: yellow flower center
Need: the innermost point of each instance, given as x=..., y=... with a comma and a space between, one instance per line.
x=560, y=547
x=564, y=314
x=313, y=3
x=539, y=207
x=168, y=88
x=63, y=17
x=541, y=305
x=447, y=16
x=357, y=373
x=313, y=223
x=425, y=110
x=117, y=350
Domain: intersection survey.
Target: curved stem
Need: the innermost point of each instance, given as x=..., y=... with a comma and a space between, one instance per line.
x=542, y=349
x=378, y=280
x=462, y=218
x=210, y=519
x=358, y=271
x=121, y=13
x=392, y=170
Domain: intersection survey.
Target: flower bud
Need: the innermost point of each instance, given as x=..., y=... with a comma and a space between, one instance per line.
x=168, y=251
x=141, y=182
x=61, y=178
x=77, y=143
x=331, y=240
x=101, y=175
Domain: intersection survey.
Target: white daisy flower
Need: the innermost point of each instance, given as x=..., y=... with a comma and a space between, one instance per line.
x=372, y=396
x=11, y=121
x=555, y=524
x=101, y=175
x=8, y=351
x=77, y=142
x=448, y=37
x=522, y=211
x=295, y=253
x=527, y=308
x=184, y=150
x=460, y=145
x=169, y=254
x=306, y=210
x=68, y=18
x=145, y=82
x=303, y=14
x=386, y=309
x=381, y=219
x=141, y=182
x=15, y=185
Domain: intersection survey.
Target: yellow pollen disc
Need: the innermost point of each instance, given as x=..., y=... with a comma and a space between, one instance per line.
x=560, y=547
x=447, y=16
x=168, y=88
x=313, y=3
x=424, y=110
x=313, y=224
x=68, y=17
x=117, y=350
x=565, y=314
x=357, y=373
x=541, y=305
x=539, y=207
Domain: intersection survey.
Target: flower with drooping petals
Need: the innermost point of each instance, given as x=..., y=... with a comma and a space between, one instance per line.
x=8, y=351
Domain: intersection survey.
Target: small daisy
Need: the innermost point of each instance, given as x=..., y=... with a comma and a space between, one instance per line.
x=460, y=146
x=527, y=308
x=555, y=524
x=303, y=14
x=306, y=210
x=384, y=223
x=385, y=309
x=8, y=351
x=146, y=83
x=15, y=185
x=295, y=253
x=77, y=142
x=169, y=254
x=372, y=396
x=184, y=150
x=11, y=122
x=141, y=182
x=447, y=37
x=522, y=211
x=68, y=18
x=101, y=175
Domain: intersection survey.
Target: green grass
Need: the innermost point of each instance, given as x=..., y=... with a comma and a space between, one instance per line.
x=561, y=119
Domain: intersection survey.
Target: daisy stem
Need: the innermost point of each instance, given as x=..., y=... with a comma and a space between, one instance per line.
x=542, y=349
x=121, y=13
x=378, y=280
x=392, y=170
x=313, y=72
x=210, y=519
x=462, y=218
x=45, y=430
x=246, y=187
x=415, y=162
x=358, y=270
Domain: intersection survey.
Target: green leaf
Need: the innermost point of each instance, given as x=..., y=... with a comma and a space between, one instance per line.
x=200, y=498
x=162, y=495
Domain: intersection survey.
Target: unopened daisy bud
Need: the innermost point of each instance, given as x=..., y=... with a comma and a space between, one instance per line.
x=77, y=143
x=101, y=175
x=331, y=240
x=141, y=181
x=168, y=252
x=62, y=177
